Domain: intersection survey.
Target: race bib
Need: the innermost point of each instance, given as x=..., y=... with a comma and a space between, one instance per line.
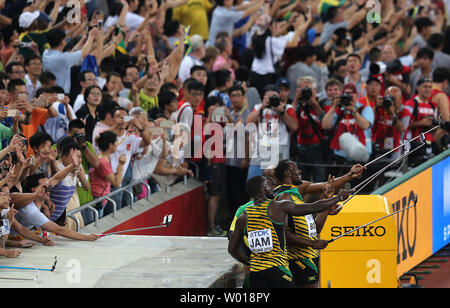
x=312, y=230
x=260, y=241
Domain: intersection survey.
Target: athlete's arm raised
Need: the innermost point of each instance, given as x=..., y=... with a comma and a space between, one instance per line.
x=280, y=209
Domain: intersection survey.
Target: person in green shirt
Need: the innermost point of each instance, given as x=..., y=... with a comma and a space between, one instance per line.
x=148, y=96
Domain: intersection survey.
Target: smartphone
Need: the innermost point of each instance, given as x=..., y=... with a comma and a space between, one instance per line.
x=100, y=24
x=157, y=131
x=61, y=96
x=12, y=112
x=166, y=124
x=127, y=118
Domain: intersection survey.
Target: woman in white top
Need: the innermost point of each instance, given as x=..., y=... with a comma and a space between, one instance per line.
x=268, y=47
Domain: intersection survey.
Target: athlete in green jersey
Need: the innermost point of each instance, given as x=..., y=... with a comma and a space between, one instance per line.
x=264, y=224
x=302, y=235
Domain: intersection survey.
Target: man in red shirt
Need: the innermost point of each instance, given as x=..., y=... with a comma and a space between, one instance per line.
x=388, y=127
x=422, y=112
x=441, y=77
x=310, y=134
x=373, y=90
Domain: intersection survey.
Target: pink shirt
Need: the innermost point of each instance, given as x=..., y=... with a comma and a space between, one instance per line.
x=100, y=186
x=220, y=63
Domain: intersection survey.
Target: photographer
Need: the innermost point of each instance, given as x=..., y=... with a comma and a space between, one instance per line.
x=373, y=89
x=89, y=159
x=439, y=98
x=388, y=127
x=274, y=120
x=310, y=134
x=422, y=112
x=349, y=115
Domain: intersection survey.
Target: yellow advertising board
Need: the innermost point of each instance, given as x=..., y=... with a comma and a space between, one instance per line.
x=365, y=258
x=414, y=226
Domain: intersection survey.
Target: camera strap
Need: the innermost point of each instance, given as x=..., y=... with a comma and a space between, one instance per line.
x=313, y=123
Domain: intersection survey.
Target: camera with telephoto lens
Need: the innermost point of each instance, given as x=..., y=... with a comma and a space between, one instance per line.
x=394, y=66
x=307, y=93
x=345, y=100
x=388, y=101
x=274, y=101
x=80, y=138
x=445, y=125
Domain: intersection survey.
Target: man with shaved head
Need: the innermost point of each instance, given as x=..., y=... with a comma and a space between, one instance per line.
x=390, y=122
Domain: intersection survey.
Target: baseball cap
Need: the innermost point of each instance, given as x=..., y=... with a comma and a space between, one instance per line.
x=43, y=16
x=27, y=18
x=350, y=86
x=423, y=80
x=282, y=82
x=372, y=78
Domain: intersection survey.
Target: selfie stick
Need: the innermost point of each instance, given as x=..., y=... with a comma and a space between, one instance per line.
x=372, y=177
x=384, y=168
x=421, y=136
x=166, y=222
x=351, y=231
x=32, y=268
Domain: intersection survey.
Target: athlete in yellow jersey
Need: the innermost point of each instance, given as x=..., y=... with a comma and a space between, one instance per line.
x=302, y=234
x=264, y=224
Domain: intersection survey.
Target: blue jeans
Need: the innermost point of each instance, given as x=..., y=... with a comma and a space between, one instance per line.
x=88, y=215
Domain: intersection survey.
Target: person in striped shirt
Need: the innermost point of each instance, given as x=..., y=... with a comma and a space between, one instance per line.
x=62, y=192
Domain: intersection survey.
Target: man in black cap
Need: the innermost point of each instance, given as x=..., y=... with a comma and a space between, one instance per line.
x=373, y=88
x=283, y=87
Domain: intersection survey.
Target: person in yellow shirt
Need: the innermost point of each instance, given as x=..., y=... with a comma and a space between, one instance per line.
x=194, y=14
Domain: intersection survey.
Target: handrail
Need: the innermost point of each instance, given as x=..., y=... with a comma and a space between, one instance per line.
x=90, y=204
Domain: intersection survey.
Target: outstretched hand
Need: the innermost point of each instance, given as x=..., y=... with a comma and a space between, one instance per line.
x=328, y=189
x=357, y=170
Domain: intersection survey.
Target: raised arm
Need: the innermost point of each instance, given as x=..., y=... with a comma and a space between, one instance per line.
x=116, y=179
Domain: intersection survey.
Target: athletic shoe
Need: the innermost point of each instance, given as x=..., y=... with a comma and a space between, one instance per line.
x=217, y=232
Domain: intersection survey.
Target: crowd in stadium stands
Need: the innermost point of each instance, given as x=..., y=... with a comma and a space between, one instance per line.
x=98, y=94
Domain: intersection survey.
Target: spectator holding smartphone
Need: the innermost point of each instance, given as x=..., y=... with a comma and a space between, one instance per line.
x=103, y=176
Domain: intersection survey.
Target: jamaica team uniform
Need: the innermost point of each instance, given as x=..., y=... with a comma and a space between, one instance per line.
x=303, y=261
x=266, y=240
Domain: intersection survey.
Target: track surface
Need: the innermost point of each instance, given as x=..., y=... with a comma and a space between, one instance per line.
x=434, y=272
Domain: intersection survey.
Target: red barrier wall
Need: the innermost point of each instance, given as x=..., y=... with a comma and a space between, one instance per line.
x=188, y=217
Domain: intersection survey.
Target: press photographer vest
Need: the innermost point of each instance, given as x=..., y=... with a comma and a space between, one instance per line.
x=420, y=110
x=383, y=131
x=309, y=127
x=347, y=123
